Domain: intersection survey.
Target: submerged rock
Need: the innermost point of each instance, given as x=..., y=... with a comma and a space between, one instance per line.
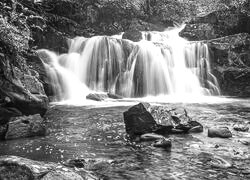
x=89, y=164
x=16, y=168
x=241, y=127
x=25, y=126
x=163, y=143
x=150, y=137
x=97, y=96
x=219, y=162
x=221, y=132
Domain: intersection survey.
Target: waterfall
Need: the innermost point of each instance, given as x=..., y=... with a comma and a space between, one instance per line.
x=161, y=64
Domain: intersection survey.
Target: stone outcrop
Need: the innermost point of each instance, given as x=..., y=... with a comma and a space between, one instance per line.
x=15, y=168
x=230, y=62
x=217, y=24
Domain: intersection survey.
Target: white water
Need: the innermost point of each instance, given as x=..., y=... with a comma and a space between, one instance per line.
x=163, y=65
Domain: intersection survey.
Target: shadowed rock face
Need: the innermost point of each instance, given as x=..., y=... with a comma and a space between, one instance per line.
x=22, y=89
x=231, y=63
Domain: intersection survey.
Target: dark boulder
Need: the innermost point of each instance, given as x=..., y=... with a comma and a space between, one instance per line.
x=132, y=35
x=25, y=126
x=13, y=167
x=97, y=96
x=138, y=120
x=221, y=132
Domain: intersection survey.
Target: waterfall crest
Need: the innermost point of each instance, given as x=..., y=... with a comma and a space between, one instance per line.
x=161, y=64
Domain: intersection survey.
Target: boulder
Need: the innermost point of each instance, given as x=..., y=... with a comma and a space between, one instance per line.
x=143, y=118
x=241, y=127
x=25, y=126
x=177, y=118
x=221, y=132
x=97, y=96
x=139, y=121
x=15, y=168
x=132, y=35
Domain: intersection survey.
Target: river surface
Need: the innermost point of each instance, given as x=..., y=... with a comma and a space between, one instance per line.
x=98, y=132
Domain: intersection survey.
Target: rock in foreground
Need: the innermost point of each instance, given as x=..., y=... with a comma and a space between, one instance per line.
x=25, y=126
x=221, y=132
x=139, y=121
x=16, y=168
x=142, y=118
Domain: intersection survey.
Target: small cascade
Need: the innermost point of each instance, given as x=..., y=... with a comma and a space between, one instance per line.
x=161, y=64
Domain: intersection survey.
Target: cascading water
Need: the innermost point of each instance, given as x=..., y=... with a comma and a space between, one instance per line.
x=161, y=64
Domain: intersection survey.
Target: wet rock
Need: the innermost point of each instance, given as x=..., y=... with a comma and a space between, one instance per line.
x=241, y=127
x=15, y=168
x=133, y=35
x=219, y=162
x=150, y=137
x=89, y=164
x=177, y=118
x=79, y=163
x=139, y=121
x=196, y=127
x=25, y=126
x=221, y=132
x=97, y=96
x=245, y=141
x=114, y=96
x=163, y=143
x=143, y=118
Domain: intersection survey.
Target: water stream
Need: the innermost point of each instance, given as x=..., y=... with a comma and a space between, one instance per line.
x=98, y=132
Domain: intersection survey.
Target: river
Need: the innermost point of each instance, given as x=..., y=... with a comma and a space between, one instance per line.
x=98, y=132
